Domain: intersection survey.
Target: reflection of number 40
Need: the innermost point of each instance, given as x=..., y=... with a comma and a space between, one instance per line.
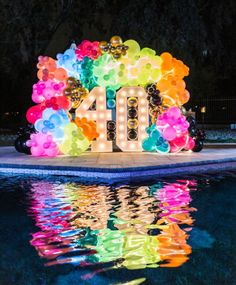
x=101, y=115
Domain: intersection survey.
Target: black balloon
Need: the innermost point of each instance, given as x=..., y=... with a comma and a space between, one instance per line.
x=111, y=136
x=198, y=145
x=132, y=113
x=192, y=131
x=132, y=135
x=111, y=125
x=191, y=119
x=155, y=100
x=20, y=144
x=201, y=135
x=23, y=136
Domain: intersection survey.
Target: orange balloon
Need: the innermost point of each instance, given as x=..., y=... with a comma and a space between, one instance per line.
x=60, y=74
x=88, y=127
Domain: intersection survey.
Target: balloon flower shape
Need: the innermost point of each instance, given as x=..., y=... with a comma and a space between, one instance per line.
x=48, y=69
x=45, y=90
x=155, y=141
x=106, y=71
x=88, y=127
x=57, y=103
x=52, y=122
x=74, y=142
x=85, y=69
x=174, y=128
x=68, y=61
x=139, y=67
x=89, y=49
x=115, y=47
x=42, y=145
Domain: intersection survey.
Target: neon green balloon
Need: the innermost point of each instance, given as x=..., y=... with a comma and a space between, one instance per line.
x=134, y=47
x=74, y=142
x=106, y=69
x=147, y=52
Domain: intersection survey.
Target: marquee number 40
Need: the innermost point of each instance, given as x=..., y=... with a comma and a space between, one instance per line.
x=101, y=115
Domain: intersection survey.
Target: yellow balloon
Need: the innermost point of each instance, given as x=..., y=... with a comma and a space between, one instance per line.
x=132, y=123
x=132, y=102
x=133, y=49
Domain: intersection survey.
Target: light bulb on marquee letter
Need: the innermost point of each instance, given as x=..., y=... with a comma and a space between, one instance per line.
x=101, y=115
x=121, y=113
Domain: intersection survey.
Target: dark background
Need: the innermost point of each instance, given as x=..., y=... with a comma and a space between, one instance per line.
x=199, y=32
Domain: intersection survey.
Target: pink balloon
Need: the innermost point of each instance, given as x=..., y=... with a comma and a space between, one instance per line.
x=42, y=145
x=180, y=141
x=45, y=90
x=169, y=133
x=174, y=148
x=174, y=112
x=190, y=144
x=35, y=151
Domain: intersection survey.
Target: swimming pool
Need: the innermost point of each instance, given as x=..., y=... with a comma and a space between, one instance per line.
x=59, y=231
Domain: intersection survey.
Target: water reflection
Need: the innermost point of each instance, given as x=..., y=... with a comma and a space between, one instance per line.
x=125, y=226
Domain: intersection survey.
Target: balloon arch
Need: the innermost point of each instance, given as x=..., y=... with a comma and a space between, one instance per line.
x=109, y=95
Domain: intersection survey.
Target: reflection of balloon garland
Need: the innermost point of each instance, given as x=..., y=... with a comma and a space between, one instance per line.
x=143, y=230
x=64, y=84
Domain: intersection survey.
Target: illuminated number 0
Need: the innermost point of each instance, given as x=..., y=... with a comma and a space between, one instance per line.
x=121, y=118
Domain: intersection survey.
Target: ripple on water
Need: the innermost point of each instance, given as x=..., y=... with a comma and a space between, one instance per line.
x=124, y=226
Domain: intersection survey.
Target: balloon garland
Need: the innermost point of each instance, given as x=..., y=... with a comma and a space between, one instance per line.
x=66, y=82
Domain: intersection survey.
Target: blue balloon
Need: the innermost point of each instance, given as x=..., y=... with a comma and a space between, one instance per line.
x=155, y=141
x=111, y=103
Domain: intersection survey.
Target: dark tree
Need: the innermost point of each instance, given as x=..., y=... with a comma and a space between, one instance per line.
x=201, y=33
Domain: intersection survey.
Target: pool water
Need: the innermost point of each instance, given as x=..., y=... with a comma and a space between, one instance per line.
x=59, y=231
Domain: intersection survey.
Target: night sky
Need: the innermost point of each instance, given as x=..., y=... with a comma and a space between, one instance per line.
x=199, y=32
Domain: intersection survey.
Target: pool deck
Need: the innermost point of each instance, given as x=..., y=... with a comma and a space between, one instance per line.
x=119, y=165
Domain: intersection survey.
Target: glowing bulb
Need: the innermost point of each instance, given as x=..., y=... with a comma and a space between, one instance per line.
x=101, y=145
x=132, y=145
x=143, y=110
x=142, y=119
x=131, y=91
x=121, y=110
x=143, y=136
x=121, y=101
x=85, y=106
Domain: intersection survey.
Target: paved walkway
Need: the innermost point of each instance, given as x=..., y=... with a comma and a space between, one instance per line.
x=119, y=165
